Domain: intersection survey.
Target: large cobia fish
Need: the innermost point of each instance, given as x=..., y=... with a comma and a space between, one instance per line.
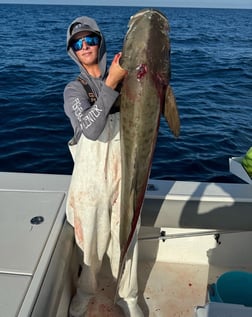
x=145, y=95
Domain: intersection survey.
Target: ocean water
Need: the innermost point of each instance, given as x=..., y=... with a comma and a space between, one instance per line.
x=211, y=77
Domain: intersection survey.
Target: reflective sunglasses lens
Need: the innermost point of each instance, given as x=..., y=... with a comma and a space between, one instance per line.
x=91, y=40
x=77, y=45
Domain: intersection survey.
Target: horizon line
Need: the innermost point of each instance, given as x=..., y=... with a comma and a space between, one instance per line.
x=118, y=5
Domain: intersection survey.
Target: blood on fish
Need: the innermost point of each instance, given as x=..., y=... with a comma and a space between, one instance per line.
x=141, y=71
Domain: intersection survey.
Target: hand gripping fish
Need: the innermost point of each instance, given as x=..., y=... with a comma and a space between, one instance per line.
x=145, y=95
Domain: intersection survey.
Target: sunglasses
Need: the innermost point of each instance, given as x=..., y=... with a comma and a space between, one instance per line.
x=90, y=40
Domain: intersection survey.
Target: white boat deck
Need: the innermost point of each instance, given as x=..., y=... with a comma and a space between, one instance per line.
x=176, y=288
x=172, y=290
x=38, y=252
x=166, y=289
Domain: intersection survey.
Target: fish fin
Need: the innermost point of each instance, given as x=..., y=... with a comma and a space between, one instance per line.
x=170, y=111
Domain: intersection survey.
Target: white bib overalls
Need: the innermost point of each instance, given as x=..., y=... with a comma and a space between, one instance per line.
x=93, y=209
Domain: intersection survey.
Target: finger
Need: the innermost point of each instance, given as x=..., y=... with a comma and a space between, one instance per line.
x=117, y=57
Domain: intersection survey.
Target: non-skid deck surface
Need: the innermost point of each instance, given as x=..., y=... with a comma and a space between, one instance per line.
x=172, y=290
x=165, y=290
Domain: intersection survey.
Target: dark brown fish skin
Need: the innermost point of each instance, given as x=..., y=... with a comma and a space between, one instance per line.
x=145, y=95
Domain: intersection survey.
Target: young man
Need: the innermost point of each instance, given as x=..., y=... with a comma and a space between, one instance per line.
x=93, y=205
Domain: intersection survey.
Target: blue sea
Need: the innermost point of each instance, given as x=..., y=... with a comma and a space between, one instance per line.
x=211, y=55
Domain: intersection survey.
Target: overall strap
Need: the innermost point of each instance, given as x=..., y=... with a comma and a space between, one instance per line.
x=92, y=98
x=90, y=93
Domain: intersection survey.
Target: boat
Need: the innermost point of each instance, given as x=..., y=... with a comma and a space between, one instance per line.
x=191, y=233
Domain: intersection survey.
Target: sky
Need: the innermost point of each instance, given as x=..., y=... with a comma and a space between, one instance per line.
x=243, y=4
